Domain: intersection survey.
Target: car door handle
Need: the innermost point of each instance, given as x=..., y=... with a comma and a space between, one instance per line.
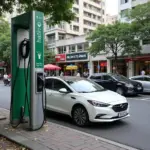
x=73, y=97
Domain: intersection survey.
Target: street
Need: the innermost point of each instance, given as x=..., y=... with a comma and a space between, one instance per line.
x=133, y=131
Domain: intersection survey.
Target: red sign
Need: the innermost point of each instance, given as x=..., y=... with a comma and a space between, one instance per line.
x=103, y=64
x=60, y=57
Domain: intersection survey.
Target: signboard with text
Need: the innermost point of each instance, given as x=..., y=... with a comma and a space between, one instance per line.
x=60, y=57
x=77, y=56
x=39, y=40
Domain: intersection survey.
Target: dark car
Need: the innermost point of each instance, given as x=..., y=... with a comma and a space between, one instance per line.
x=117, y=83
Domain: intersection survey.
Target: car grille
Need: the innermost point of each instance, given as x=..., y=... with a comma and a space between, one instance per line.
x=120, y=107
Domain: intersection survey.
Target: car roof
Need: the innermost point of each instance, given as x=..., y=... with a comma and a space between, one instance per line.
x=100, y=74
x=66, y=78
x=140, y=76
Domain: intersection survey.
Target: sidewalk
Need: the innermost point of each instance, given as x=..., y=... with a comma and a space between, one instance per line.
x=56, y=137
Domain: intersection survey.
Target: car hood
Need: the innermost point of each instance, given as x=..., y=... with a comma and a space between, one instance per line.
x=105, y=97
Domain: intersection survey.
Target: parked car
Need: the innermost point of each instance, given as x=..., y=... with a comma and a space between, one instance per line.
x=144, y=80
x=84, y=100
x=117, y=83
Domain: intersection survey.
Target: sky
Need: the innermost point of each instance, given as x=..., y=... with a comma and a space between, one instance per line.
x=112, y=7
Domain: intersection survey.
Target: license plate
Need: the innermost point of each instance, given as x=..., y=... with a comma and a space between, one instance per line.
x=139, y=88
x=122, y=114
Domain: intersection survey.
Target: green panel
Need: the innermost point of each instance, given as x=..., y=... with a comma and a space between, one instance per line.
x=39, y=40
x=19, y=88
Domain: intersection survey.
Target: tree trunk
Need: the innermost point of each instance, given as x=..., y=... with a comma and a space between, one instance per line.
x=115, y=64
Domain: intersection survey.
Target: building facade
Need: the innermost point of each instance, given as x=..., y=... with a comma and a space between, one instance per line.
x=89, y=14
x=125, y=5
x=74, y=51
x=111, y=19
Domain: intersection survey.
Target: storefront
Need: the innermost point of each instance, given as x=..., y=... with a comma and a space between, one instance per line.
x=140, y=63
x=122, y=67
x=99, y=66
x=79, y=59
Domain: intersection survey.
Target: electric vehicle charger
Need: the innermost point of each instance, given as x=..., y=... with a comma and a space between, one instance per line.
x=24, y=52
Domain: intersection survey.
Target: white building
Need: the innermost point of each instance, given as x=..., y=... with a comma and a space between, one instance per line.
x=111, y=19
x=89, y=14
x=124, y=5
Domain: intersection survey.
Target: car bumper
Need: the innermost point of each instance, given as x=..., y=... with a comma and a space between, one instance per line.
x=106, y=114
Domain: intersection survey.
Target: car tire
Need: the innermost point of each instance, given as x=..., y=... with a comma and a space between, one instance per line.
x=80, y=116
x=120, y=91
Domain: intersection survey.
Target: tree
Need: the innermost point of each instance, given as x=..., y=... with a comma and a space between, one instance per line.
x=117, y=39
x=58, y=10
x=49, y=56
x=5, y=41
x=140, y=17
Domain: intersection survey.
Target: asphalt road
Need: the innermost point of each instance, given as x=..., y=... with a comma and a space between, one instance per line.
x=133, y=131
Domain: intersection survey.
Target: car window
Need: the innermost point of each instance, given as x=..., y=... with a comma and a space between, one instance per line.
x=96, y=77
x=48, y=83
x=107, y=77
x=59, y=84
x=138, y=78
x=85, y=86
x=146, y=79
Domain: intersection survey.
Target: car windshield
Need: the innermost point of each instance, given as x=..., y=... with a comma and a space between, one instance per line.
x=85, y=86
x=120, y=77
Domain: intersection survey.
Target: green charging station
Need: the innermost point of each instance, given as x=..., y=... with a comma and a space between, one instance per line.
x=27, y=96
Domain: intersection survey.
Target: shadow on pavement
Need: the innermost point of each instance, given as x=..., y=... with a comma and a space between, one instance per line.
x=67, y=121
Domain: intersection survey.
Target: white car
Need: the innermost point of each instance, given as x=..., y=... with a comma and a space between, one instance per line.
x=144, y=80
x=84, y=100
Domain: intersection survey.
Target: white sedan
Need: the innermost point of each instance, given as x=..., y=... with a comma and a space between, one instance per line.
x=84, y=100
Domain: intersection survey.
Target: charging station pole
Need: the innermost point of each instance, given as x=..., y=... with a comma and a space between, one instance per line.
x=27, y=69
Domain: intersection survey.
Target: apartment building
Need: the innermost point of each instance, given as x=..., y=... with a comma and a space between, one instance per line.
x=110, y=19
x=89, y=14
x=124, y=5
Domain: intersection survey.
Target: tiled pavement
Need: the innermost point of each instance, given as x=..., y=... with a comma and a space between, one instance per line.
x=56, y=137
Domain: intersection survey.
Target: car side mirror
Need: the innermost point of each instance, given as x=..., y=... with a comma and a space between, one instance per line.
x=63, y=90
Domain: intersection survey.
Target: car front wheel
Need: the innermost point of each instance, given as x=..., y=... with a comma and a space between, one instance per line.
x=80, y=116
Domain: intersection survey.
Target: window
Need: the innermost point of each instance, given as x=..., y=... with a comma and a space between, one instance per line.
x=85, y=86
x=146, y=79
x=62, y=50
x=61, y=36
x=106, y=77
x=76, y=28
x=61, y=25
x=124, y=12
x=86, y=46
x=48, y=83
x=76, y=2
x=76, y=10
x=76, y=19
x=59, y=85
x=124, y=1
x=96, y=77
x=80, y=47
x=51, y=39
x=72, y=49
x=139, y=78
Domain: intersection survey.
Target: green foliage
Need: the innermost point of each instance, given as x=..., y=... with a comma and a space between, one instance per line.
x=5, y=41
x=58, y=10
x=116, y=39
x=140, y=17
x=49, y=56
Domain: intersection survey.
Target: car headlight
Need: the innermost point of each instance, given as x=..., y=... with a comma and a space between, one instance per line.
x=98, y=104
x=129, y=85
